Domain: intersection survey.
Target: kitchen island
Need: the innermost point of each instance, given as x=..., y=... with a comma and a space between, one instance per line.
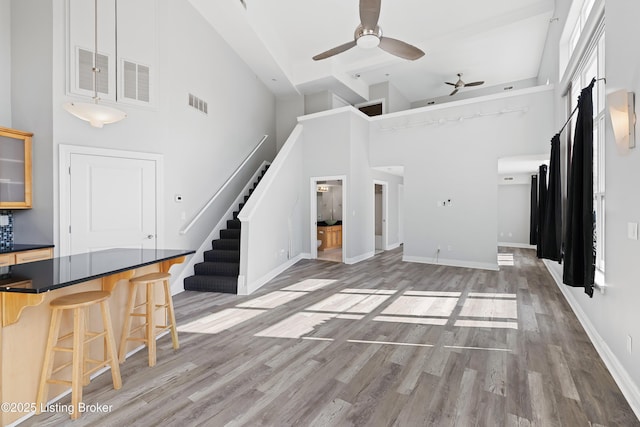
x=25, y=292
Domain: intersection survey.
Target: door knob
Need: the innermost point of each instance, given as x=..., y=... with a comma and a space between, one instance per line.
x=150, y=236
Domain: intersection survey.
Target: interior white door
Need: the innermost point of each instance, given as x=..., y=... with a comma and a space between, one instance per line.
x=112, y=203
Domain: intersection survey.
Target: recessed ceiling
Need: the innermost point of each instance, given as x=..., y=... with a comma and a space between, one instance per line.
x=497, y=41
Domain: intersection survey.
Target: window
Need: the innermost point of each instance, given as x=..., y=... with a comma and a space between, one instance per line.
x=591, y=62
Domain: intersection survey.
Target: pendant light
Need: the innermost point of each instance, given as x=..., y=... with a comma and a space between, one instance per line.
x=97, y=115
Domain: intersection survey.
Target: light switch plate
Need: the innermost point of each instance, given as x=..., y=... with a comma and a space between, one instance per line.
x=632, y=230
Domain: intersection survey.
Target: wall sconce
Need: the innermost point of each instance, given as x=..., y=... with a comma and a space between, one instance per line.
x=623, y=117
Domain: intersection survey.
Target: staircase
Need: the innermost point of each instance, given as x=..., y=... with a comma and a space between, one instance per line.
x=221, y=266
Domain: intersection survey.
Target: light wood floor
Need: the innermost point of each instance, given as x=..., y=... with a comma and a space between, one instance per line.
x=379, y=343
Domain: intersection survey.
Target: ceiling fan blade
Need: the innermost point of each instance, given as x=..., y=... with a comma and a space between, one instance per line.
x=449, y=83
x=369, y=13
x=335, y=51
x=454, y=92
x=474, y=84
x=400, y=48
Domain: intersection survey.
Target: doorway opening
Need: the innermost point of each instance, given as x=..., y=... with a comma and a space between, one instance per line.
x=380, y=215
x=328, y=212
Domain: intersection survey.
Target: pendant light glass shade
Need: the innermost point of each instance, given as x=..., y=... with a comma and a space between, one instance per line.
x=97, y=115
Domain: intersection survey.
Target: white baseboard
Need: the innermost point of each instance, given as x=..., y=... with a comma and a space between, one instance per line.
x=392, y=246
x=359, y=258
x=629, y=389
x=250, y=288
x=452, y=263
x=516, y=245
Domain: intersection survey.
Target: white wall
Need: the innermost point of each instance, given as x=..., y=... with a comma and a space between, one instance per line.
x=288, y=109
x=31, y=110
x=200, y=151
x=317, y=102
x=457, y=160
x=5, y=63
x=394, y=100
x=611, y=317
x=514, y=208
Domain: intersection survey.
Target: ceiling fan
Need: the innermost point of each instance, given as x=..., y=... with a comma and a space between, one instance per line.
x=460, y=84
x=369, y=35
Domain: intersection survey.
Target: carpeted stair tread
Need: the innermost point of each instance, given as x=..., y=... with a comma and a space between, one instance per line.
x=233, y=233
x=223, y=284
x=222, y=255
x=234, y=223
x=217, y=269
x=229, y=244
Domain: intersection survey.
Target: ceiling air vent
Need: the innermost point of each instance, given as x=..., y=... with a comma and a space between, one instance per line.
x=198, y=104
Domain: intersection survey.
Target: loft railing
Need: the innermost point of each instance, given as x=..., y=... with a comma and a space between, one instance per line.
x=195, y=219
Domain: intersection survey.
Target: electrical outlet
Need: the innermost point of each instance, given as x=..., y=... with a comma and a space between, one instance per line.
x=449, y=248
x=629, y=344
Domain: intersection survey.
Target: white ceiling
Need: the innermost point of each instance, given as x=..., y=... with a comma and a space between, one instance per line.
x=498, y=41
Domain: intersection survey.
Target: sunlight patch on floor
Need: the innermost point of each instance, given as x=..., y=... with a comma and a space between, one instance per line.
x=271, y=300
x=413, y=320
x=296, y=326
x=309, y=285
x=349, y=303
x=485, y=324
x=217, y=322
x=506, y=259
x=422, y=306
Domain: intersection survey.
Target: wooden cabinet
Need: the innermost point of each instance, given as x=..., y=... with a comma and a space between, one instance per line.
x=15, y=169
x=330, y=236
x=25, y=256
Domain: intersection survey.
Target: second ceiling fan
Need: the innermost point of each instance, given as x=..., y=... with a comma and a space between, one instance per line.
x=369, y=35
x=460, y=84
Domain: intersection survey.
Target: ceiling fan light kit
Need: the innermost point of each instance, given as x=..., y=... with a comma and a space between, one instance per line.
x=369, y=35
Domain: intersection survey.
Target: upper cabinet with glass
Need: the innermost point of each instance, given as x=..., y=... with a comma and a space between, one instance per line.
x=15, y=169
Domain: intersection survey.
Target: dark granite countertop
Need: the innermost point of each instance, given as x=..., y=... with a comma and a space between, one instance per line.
x=23, y=247
x=46, y=275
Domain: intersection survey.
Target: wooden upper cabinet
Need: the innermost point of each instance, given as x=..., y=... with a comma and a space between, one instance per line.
x=15, y=169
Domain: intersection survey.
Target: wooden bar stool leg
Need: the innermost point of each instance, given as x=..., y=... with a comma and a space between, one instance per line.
x=131, y=301
x=47, y=364
x=151, y=324
x=78, y=361
x=111, y=345
x=86, y=378
x=172, y=316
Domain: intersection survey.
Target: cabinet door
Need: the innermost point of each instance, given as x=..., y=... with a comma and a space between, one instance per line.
x=15, y=169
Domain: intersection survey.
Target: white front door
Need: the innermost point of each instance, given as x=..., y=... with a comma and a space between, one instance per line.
x=112, y=203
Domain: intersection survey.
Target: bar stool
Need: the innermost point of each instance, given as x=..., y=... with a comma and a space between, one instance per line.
x=150, y=327
x=78, y=302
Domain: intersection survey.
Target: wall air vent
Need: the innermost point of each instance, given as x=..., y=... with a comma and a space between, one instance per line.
x=135, y=81
x=508, y=178
x=198, y=104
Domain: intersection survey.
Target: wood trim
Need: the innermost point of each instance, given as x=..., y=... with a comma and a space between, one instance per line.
x=109, y=282
x=166, y=265
x=13, y=303
x=26, y=137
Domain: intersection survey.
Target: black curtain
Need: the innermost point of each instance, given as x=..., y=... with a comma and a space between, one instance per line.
x=579, y=256
x=533, y=221
x=542, y=205
x=552, y=226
